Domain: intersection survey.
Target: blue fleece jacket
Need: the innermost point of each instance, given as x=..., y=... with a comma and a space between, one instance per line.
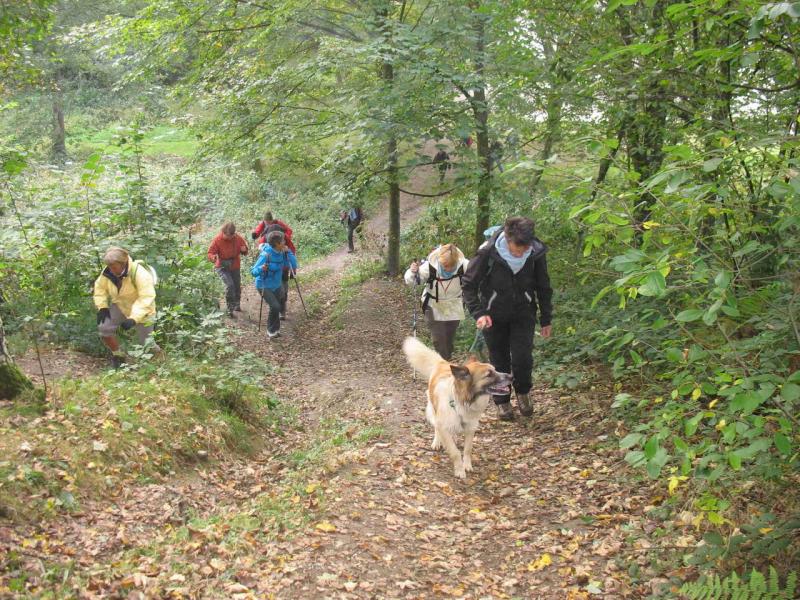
x=270, y=278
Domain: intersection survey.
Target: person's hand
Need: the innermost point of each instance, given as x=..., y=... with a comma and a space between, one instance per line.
x=253, y=234
x=547, y=331
x=127, y=324
x=414, y=267
x=484, y=322
x=102, y=315
x=264, y=268
x=215, y=258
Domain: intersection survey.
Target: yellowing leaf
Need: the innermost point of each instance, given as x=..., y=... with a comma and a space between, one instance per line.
x=696, y=393
x=765, y=530
x=326, y=526
x=713, y=403
x=651, y=224
x=540, y=563
x=720, y=425
x=311, y=487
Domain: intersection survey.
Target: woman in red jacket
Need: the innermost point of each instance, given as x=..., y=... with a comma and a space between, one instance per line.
x=225, y=252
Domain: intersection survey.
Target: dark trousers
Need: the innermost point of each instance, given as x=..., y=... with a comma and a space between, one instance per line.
x=510, y=346
x=274, y=299
x=350, y=229
x=443, y=334
x=233, y=287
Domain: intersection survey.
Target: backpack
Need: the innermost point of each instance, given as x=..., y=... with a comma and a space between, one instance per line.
x=431, y=284
x=353, y=215
x=150, y=268
x=269, y=228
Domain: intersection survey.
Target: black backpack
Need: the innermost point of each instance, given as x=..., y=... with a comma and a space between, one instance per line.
x=432, y=287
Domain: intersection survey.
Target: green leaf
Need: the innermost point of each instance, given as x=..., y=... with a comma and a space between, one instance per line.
x=790, y=392
x=651, y=447
x=783, y=444
x=630, y=440
x=711, y=164
x=690, y=426
x=687, y=316
x=735, y=461
x=655, y=285
x=746, y=402
x=655, y=464
x=674, y=355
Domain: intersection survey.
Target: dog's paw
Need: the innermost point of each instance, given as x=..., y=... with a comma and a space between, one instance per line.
x=467, y=465
x=436, y=444
x=460, y=473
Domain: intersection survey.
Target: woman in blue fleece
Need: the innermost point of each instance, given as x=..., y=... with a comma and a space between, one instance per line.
x=268, y=270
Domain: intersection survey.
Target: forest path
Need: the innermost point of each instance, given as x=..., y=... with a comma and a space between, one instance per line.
x=539, y=517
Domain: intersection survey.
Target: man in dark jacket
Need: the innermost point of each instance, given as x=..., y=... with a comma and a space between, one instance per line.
x=503, y=287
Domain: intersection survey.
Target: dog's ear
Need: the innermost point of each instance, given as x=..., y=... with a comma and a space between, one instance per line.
x=471, y=359
x=461, y=373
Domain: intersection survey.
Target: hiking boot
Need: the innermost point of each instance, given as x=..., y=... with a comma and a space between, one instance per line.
x=283, y=316
x=237, y=308
x=231, y=315
x=271, y=335
x=117, y=360
x=505, y=412
x=524, y=405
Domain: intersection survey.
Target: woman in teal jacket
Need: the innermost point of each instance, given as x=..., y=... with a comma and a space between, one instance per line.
x=268, y=271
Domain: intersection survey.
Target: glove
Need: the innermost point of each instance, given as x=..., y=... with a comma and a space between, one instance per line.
x=253, y=234
x=102, y=315
x=127, y=324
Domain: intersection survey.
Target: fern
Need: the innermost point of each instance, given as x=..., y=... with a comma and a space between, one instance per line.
x=732, y=587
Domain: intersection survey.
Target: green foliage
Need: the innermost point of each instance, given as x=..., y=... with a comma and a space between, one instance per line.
x=732, y=587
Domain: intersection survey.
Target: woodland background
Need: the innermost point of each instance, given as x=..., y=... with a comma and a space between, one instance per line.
x=654, y=142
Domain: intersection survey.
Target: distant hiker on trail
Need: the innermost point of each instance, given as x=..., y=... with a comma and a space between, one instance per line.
x=268, y=224
x=125, y=296
x=496, y=152
x=275, y=256
x=351, y=217
x=260, y=233
x=225, y=252
x=442, y=162
x=505, y=284
x=441, y=299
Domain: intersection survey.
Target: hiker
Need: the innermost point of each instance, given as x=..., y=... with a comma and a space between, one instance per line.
x=441, y=299
x=442, y=162
x=503, y=287
x=125, y=296
x=496, y=153
x=225, y=252
x=275, y=256
x=260, y=233
x=352, y=218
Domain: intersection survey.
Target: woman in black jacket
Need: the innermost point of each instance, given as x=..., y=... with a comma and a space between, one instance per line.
x=504, y=286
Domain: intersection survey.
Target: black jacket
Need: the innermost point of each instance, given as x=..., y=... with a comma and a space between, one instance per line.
x=491, y=288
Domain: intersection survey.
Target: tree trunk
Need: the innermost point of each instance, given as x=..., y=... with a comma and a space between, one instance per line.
x=12, y=381
x=480, y=109
x=59, y=149
x=553, y=132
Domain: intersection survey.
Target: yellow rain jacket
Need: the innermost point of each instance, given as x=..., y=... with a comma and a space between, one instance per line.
x=136, y=298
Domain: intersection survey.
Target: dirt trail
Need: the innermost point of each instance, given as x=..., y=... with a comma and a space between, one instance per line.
x=541, y=516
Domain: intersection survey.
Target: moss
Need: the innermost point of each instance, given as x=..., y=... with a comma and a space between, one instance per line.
x=12, y=381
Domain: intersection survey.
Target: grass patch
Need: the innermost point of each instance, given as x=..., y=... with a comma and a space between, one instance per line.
x=158, y=141
x=106, y=430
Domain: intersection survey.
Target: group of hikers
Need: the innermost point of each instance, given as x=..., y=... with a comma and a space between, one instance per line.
x=505, y=287
x=125, y=295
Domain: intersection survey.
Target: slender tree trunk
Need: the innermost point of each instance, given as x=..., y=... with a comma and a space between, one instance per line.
x=553, y=133
x=12, y=381
x=59, y=149
x=480, y=108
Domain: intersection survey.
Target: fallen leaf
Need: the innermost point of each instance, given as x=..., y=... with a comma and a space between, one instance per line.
x=326, y=526
x=540, y=563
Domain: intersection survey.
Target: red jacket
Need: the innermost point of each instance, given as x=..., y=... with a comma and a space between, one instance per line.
x=222, y=249
x=287, y=232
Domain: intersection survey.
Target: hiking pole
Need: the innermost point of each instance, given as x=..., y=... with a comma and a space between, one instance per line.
x=260, y=308
x=297, y=285
x=414, y=322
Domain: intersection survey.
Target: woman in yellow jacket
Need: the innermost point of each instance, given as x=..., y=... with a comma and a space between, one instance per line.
x=125, y=296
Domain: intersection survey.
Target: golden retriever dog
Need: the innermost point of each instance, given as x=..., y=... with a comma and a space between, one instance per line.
x=457, y=397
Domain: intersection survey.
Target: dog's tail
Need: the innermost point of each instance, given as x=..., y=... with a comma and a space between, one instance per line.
x=422, y=358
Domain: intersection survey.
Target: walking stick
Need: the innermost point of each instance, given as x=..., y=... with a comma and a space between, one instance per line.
x=414, y=322
x=260, y=309
x=297, y=285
